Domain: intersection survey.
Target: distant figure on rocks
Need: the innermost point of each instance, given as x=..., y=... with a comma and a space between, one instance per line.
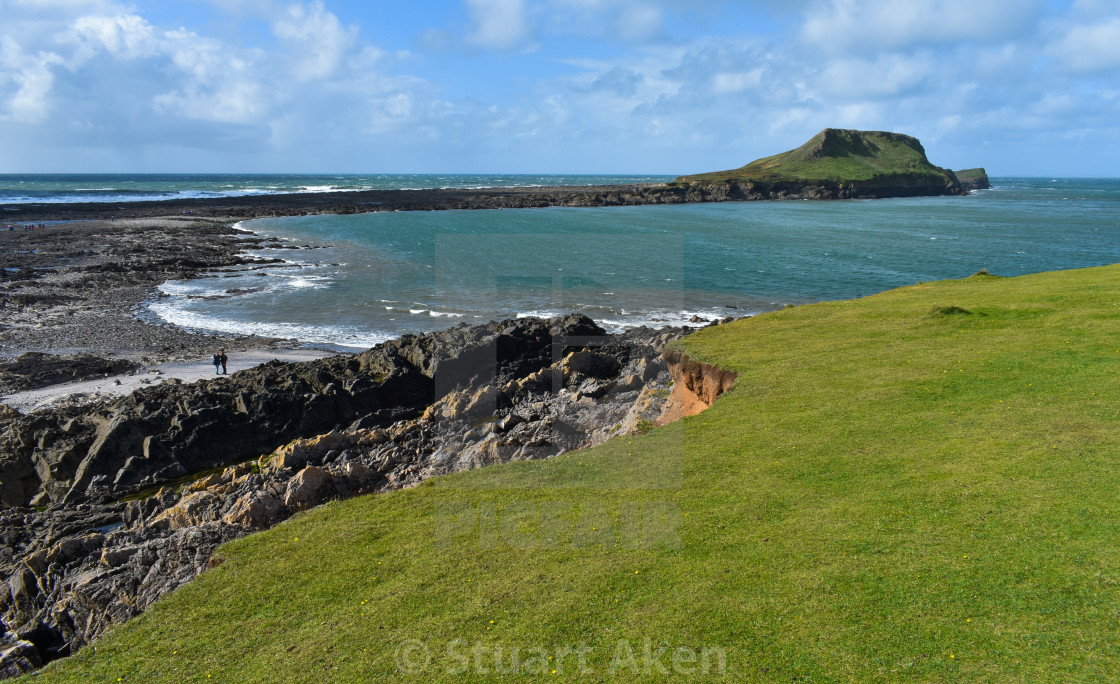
x=219, y=362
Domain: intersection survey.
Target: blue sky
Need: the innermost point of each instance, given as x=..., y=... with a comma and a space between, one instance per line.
x=1022, y=87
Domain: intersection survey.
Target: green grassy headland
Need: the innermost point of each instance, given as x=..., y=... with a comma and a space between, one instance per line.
x=834, y=155
x=920, y=485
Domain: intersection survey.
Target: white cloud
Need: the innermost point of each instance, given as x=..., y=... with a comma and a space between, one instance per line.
x=1090, y=47
x=100, y=73
x=124, y=36
x=389, y=113
x=317, y=38
x=885, y=76
x=614, y=84
x=498, y=24
x=25, y=81
x=862, y=26
x=736, y=81
x=216, y=85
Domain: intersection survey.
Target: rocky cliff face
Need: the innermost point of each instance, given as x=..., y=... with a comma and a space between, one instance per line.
x=462, y=399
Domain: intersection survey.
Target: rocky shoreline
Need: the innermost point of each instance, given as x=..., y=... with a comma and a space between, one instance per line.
x=389, y=418
x=439, y=199
x=70, y=295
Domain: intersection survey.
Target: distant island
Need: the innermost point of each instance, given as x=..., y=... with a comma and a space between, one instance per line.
x=839, y=164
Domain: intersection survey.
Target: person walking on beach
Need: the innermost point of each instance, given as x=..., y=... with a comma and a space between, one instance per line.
x=223, y=358
x=217, y=361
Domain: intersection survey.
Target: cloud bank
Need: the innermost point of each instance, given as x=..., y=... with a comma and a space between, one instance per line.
x=1021, y=86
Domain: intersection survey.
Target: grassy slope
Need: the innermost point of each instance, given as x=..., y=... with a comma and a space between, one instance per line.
x=891, y=491
x=835, y=155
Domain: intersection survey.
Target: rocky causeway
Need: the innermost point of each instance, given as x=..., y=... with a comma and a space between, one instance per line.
x=439, y=199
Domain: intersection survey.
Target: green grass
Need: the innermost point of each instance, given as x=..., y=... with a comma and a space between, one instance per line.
x=834, y=155
x=916, y=486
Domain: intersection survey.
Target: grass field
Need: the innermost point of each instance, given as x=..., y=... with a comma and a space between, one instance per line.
x=921, y=485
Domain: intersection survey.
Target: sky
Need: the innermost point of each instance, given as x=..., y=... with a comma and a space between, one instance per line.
x=1021, y=87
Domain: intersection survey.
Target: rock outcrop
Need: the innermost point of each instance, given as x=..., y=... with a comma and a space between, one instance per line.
x=466, y=398
x=36, y=369
x=106, y=450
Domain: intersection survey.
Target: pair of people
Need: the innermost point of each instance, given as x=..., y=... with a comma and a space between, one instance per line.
x=220, y=360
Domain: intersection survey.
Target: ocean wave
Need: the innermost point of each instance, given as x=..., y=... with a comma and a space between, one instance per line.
x=114, y=195
x=538, y=314
x=170, y=312
x=304, y=281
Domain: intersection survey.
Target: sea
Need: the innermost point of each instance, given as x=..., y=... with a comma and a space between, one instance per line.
x=353, y=281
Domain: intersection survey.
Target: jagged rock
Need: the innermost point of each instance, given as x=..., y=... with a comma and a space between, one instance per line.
x=36, y=369
x=308, y=488
x=119, y=556
x=590, y=364
x=17, y=657
x=257, y=511
x=292, y=457
x=509, y=422
x=195, y=509
x=208, y=482
x=159, y=433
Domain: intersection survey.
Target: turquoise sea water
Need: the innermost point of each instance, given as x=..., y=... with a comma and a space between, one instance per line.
x=373, y=276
